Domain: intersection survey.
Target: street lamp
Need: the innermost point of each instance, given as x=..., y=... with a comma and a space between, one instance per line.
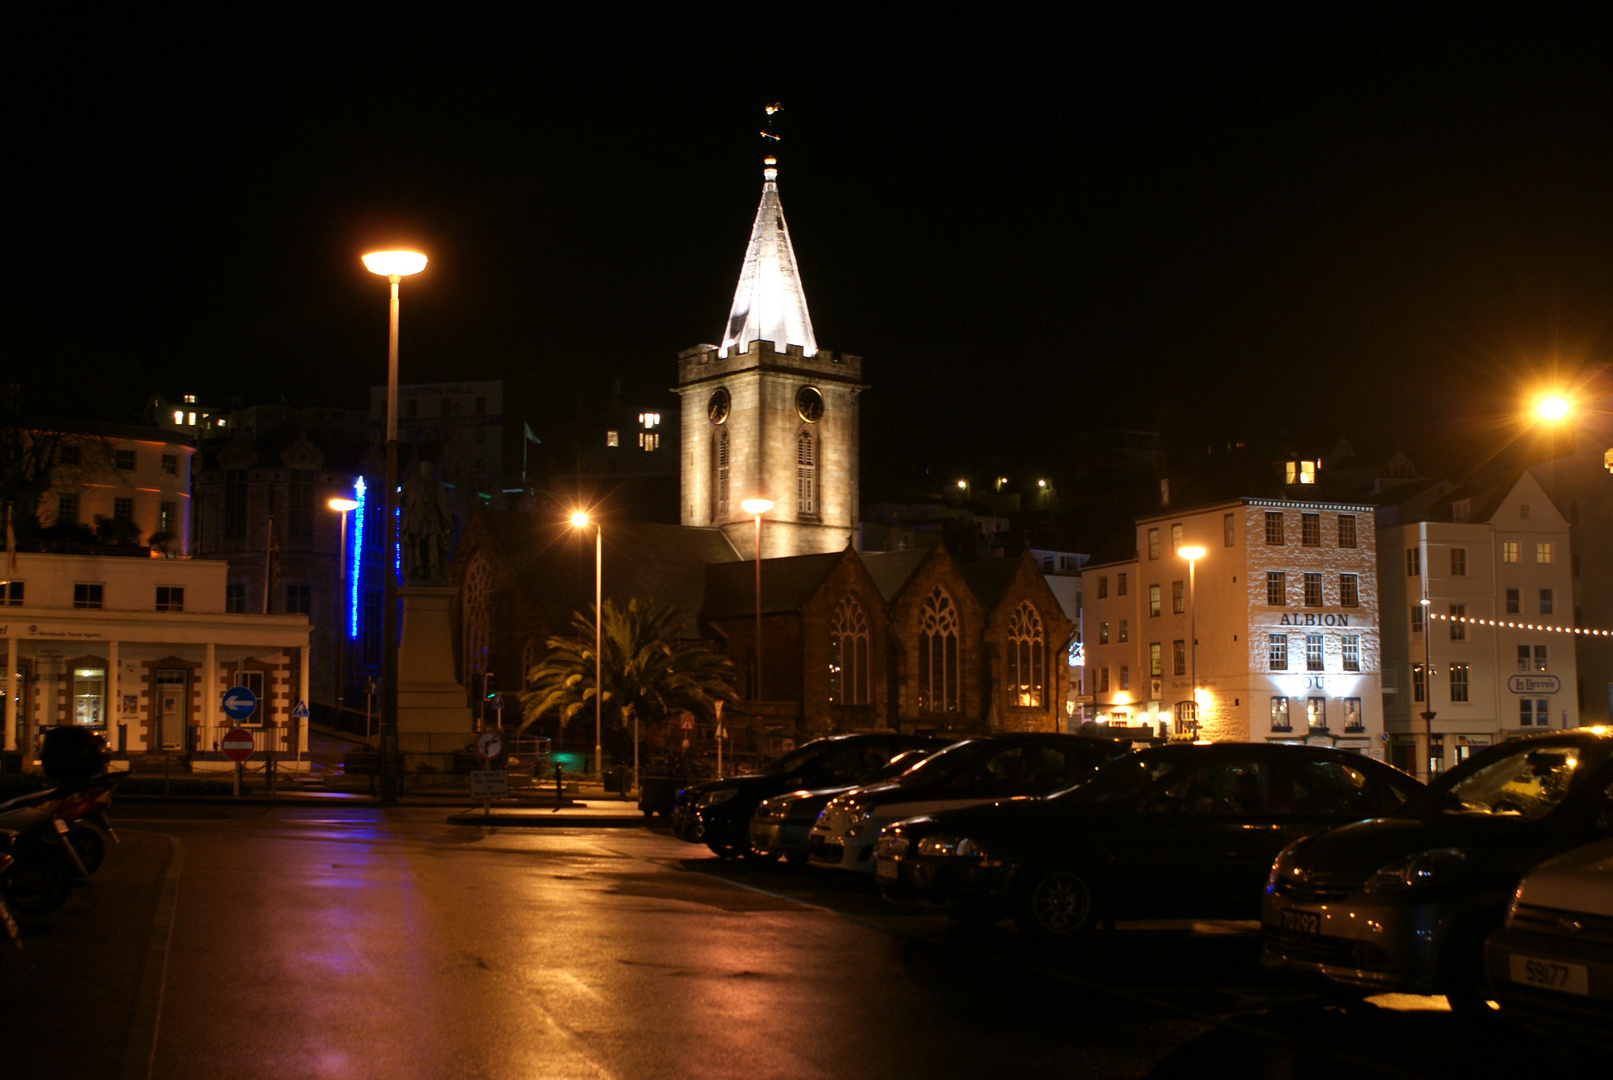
x=758, y=507
x=394, y=266
x=1193, y=555
x=341, y=505
x=579, y=520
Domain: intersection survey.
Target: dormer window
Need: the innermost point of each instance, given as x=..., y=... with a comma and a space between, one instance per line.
x=1462, y=510
x=1302, y=472
x=649, y=420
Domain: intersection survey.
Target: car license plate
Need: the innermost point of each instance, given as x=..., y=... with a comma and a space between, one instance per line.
x=1550, y=974
x=885, y=870
x=1298, y=922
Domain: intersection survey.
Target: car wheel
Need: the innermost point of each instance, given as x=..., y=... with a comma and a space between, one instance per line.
x=797, y=858
x=725, y=851
x=1057, y=904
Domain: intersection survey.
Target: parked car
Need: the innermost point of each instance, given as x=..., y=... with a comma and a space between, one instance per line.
x=1173, y=831
x=1403, y=903
x=717, y=812
x=1551, y=964
x=781, y=825
x=968, y=772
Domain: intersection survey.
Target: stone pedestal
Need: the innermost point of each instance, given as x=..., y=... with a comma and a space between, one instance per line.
x=432, y=715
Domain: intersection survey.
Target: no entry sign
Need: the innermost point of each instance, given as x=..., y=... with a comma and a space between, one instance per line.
x=237, y=744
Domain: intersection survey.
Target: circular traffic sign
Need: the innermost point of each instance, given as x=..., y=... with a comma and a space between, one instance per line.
x=237, y=744
x=489, y=745
x=239, y=703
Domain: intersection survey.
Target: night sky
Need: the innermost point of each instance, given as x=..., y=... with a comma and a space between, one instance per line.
x=1029, y=221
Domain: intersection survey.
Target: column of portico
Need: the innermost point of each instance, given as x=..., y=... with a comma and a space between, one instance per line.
x=302, y=695
x=210, y=697
x=114, y=701
x=12, y=686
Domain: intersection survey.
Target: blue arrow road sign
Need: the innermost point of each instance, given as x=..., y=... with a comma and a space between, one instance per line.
x=239, y=703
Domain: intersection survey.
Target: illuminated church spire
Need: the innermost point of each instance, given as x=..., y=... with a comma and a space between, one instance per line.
x=769, y=304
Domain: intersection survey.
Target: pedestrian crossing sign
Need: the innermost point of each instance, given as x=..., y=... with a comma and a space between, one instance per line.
x=300, y=711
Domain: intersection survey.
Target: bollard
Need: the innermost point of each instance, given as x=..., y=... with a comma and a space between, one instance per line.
x=559, y=788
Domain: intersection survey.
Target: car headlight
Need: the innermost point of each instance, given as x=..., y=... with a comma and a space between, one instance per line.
x=1279, y=864
x=1415, y=871
x=891, y=847
x=712, y=798
x=954, y=846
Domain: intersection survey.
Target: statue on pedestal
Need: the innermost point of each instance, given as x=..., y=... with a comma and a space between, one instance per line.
x=425, y=525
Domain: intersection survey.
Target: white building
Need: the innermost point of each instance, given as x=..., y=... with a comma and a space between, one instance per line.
x=132, y=474
x=1493, y=561
x=143, y=650
x=1285, y=605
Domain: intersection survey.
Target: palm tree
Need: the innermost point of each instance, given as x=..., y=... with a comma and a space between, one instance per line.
x=649, y=670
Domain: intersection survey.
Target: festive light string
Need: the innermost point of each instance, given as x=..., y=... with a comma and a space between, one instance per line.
x=1501, y=623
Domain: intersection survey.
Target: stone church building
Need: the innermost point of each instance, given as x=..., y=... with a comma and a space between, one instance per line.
x=849, y=640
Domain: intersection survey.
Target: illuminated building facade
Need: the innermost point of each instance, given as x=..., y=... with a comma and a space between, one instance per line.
x=767, y=414
x=1287, y=626
x=1495, y=561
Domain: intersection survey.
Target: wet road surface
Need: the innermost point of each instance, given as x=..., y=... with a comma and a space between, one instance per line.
x=268, y=942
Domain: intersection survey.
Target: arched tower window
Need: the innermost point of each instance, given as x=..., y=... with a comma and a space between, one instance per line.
x=1026, y=649
x=719, y=480
x=848, y=654
x=805, y=475
x=938, y=653
x=477, y=591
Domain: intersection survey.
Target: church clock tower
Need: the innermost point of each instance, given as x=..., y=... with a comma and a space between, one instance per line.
x=769, y=415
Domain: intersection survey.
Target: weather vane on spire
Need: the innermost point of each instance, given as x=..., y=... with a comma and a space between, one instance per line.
x=771, y=110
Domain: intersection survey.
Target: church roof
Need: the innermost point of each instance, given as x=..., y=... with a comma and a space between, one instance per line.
x=990, y=579
x=787, y=584
x=891, y=569
x=769, y=304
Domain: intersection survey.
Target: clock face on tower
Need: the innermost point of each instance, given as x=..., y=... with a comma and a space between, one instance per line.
x=809, y=403
x=717, y=407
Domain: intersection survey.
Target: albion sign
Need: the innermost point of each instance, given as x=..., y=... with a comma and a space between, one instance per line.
x=1314, y=619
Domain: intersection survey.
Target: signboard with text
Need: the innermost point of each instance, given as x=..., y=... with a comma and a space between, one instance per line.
x=1534, y=684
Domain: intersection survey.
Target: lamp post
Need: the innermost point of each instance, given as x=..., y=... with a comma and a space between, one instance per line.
x=341, y=505
x=1425, y=771
x=579, y=520
x=394, y=266
x=756, y=508
x=1193, y=555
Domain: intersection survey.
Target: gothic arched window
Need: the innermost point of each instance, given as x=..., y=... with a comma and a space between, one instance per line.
x=719, y=479
x=848, y=654
x=1026, y=648
x=805, y=475
x=477, y=591
x=938, y=653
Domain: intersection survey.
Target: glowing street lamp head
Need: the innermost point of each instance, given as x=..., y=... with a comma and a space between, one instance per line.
x=1191, y=554
x=963, y=485
x=342, y=506
x=394, y=263
x=1552, y=407
x=756, y=506
x=579, y=519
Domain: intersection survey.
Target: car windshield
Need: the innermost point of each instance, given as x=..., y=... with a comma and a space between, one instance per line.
x=797, y=759
x=943, y=763
x=901, y=763
x=1528, y=783
x=1122, y=780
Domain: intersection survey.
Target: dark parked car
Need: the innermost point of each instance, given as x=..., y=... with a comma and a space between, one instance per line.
x=1403, y=903
x=1174, y=831
x=973, y=771
x=717, y=813
x=780, y=825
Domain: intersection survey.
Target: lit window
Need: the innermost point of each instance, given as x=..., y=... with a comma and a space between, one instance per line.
x=612, y=439
x=1352, y=715
x=1509, y=551
x=1025, y=648
x=1153, y=600
x=190, y=418
x=179, y=416
x=1316, y=713
x=1153, y=543
x=1543, y=552
x=1279, y=714
x=89, y=690
x=1156, y=666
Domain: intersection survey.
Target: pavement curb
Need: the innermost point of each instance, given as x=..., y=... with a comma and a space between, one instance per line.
x=551, y=820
